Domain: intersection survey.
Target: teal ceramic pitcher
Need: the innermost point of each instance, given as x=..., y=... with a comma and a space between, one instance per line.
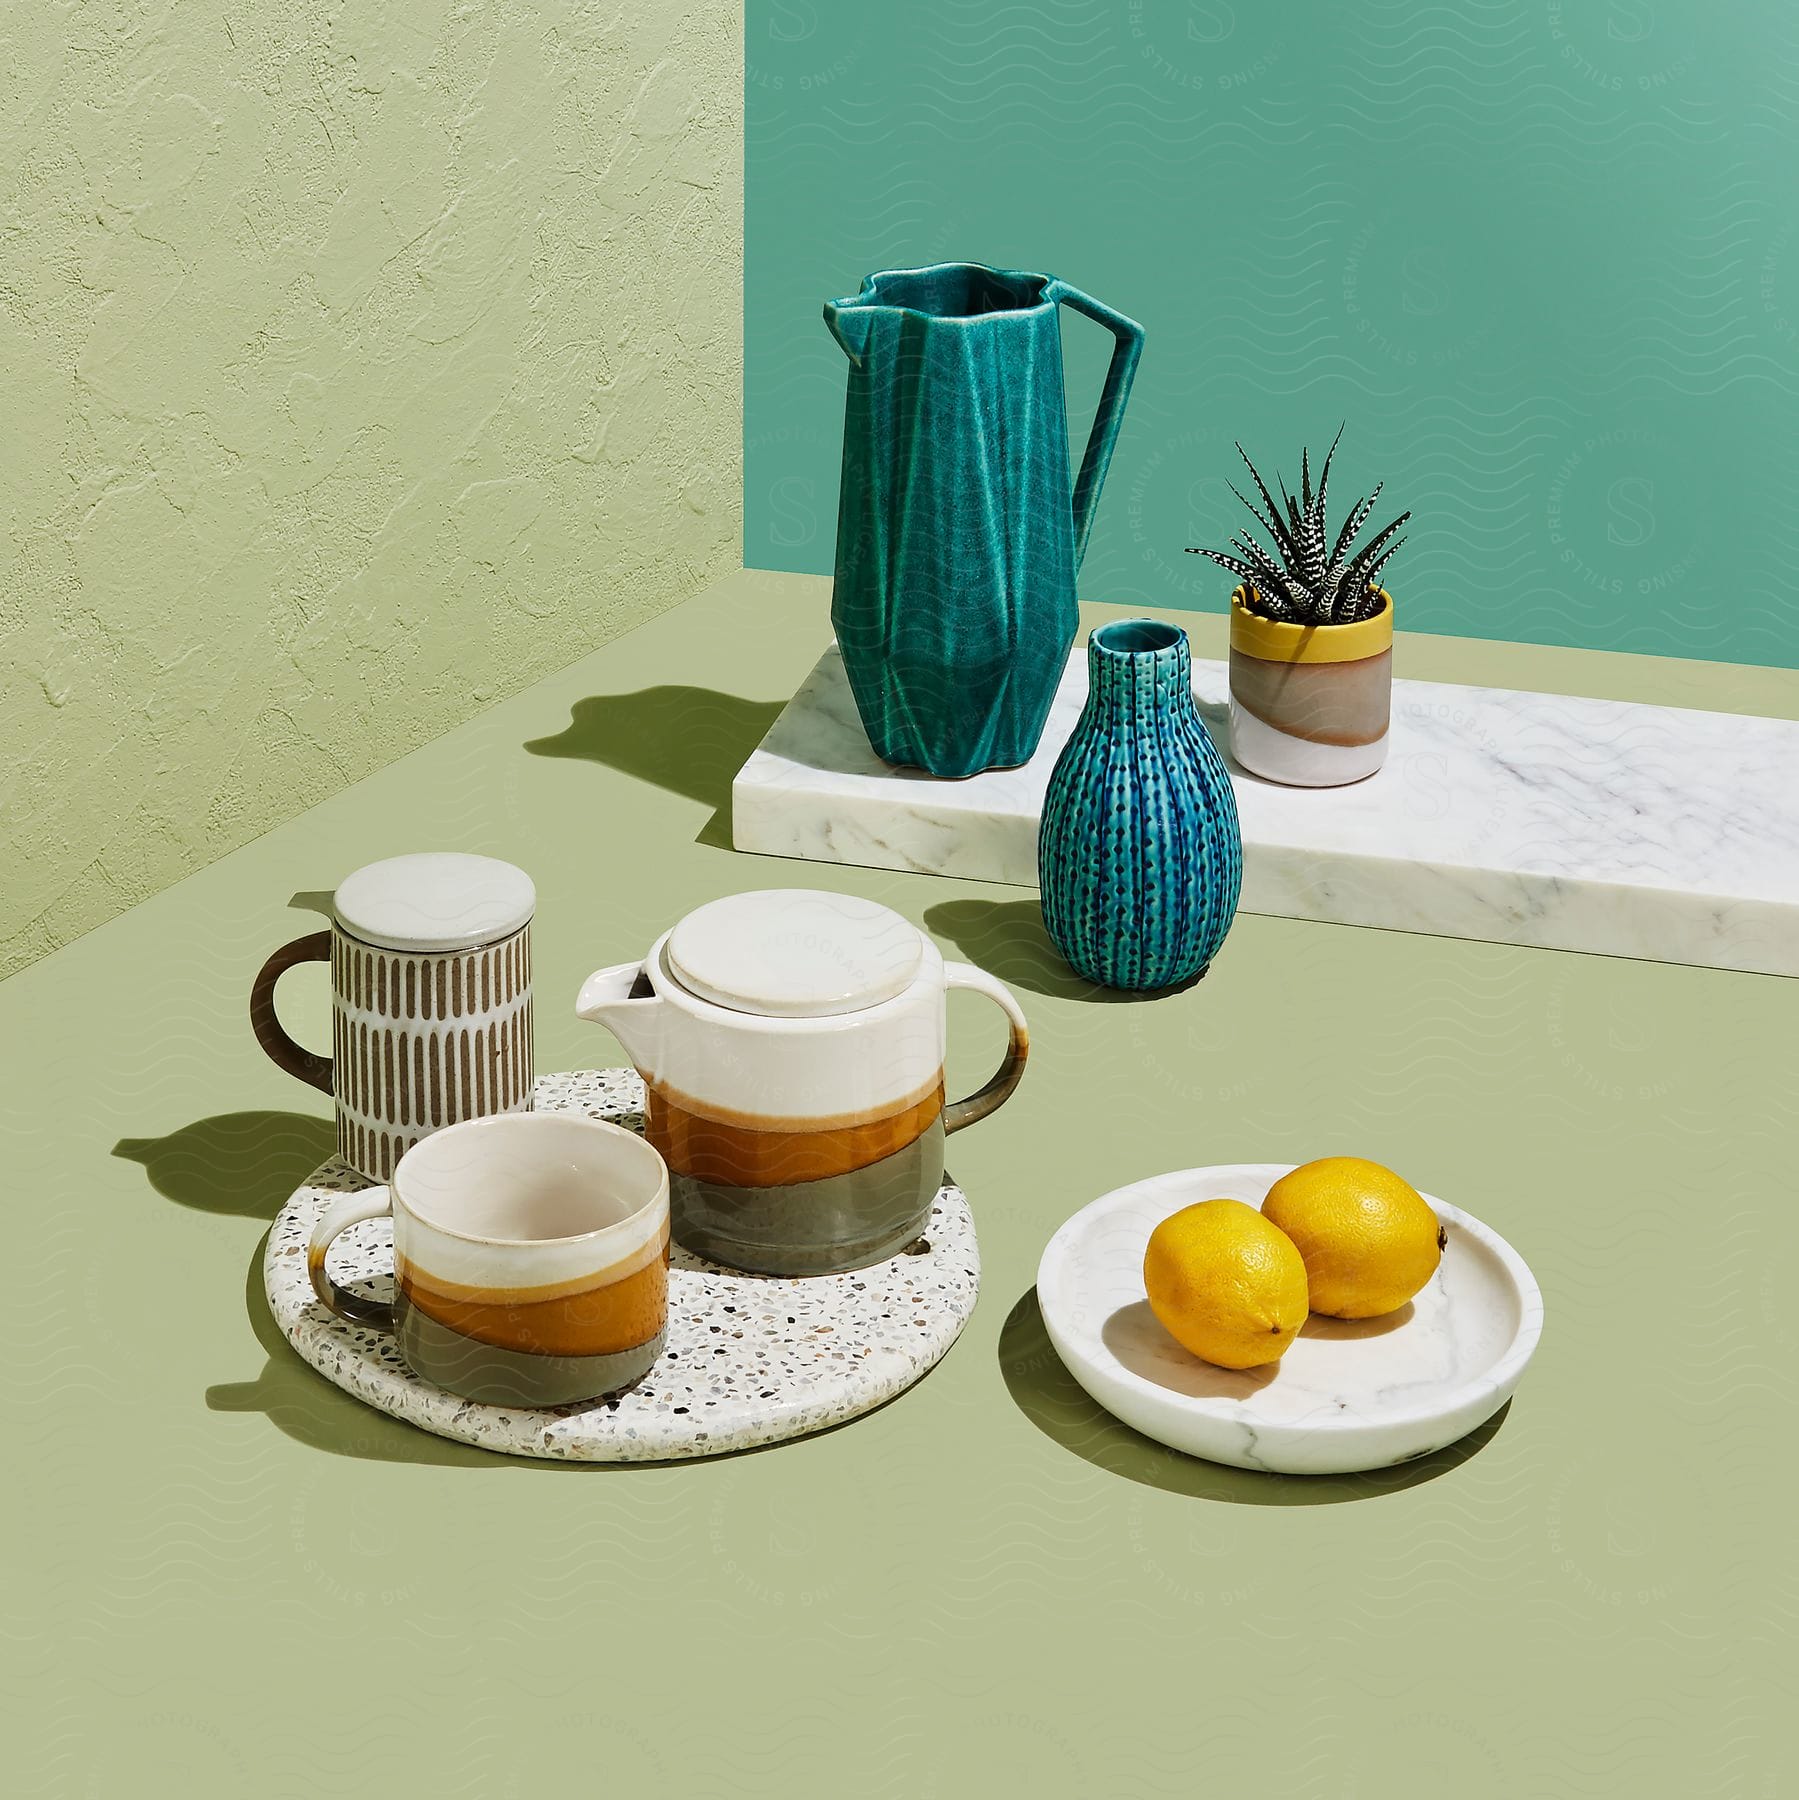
x=958, y=536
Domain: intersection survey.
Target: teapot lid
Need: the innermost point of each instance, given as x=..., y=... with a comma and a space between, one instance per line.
x=438, y=900
x=794, y=953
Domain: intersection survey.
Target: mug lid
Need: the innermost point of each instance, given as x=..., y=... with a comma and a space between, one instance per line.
x=437, y=900
x=795, y=953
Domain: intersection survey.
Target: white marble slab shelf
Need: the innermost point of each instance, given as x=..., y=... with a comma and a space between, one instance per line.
x=1568, y=824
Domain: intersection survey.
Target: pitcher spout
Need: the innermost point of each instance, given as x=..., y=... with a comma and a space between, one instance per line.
x=621, y=1000
x=850, y=324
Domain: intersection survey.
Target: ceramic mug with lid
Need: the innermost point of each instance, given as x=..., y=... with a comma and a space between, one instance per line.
x=430, y=1001
x=791, y=1045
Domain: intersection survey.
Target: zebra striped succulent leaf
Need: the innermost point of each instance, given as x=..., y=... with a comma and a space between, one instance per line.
x=1299, y=582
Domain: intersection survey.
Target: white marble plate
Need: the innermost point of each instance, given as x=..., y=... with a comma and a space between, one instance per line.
x=751, y=1359
x=1346, y=1396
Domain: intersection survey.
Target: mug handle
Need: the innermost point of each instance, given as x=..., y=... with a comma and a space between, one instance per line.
x=1120, y=373
x=1011, y=1070
x=345, y=1211
x=285, y=1053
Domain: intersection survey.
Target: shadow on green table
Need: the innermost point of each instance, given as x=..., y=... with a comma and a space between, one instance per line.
x=245, y=1164
x=1008, y=938
x=1061, y=1408
x=689, y=740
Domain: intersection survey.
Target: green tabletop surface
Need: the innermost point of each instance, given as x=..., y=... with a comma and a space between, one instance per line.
x=226, y=1577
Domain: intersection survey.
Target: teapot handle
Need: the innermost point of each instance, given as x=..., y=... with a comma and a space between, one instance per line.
x=1009, y=1073
x=1110, y=416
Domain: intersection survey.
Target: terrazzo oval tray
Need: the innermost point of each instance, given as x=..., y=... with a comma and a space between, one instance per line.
x=1349, y=1395
x=751, y=1359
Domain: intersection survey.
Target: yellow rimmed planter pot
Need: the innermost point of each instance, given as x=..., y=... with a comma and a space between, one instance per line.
x=1310, y=704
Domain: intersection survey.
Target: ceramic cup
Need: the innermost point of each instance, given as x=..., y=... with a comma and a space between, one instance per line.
x=430, y=1002
x=530, y=1258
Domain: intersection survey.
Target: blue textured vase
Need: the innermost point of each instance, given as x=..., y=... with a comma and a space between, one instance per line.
x=1139, y=856
x=957, y=534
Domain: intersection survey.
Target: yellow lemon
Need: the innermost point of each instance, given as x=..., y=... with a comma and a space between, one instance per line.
x=1225, y=1283
x=1369, y=1239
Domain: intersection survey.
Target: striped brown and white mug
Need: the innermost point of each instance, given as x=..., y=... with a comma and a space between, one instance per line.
x=430, y=1002
x=530, y=1258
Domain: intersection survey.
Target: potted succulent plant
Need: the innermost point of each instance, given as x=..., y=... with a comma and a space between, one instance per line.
x=1311, y=636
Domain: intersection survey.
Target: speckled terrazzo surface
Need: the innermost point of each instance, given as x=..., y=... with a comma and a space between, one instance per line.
x=751, y=1359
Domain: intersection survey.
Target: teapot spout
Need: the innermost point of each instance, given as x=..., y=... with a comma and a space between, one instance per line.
x=620, y=999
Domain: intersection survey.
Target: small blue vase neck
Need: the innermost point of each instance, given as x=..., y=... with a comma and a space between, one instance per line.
x=1136, y=666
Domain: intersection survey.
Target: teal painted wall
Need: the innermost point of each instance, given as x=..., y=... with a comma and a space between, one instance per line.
x=1542, y=255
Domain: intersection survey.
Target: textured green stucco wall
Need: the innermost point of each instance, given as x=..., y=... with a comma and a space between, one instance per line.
x=358, y=364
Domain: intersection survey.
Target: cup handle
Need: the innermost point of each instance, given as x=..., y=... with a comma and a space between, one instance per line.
x=283, y=1051
x=345, y=1211
x=1011, y=1070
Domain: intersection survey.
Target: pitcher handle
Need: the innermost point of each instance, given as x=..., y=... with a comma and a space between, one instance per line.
x=270, y=1034
x=1111, y=404
x=1006, y=1077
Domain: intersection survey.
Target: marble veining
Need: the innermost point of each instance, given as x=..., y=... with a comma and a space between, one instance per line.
x=750, y=1359
x=1570, y=824
x=1347, y=1396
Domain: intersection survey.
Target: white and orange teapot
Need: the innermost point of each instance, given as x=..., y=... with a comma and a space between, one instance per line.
x=791, y=1045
